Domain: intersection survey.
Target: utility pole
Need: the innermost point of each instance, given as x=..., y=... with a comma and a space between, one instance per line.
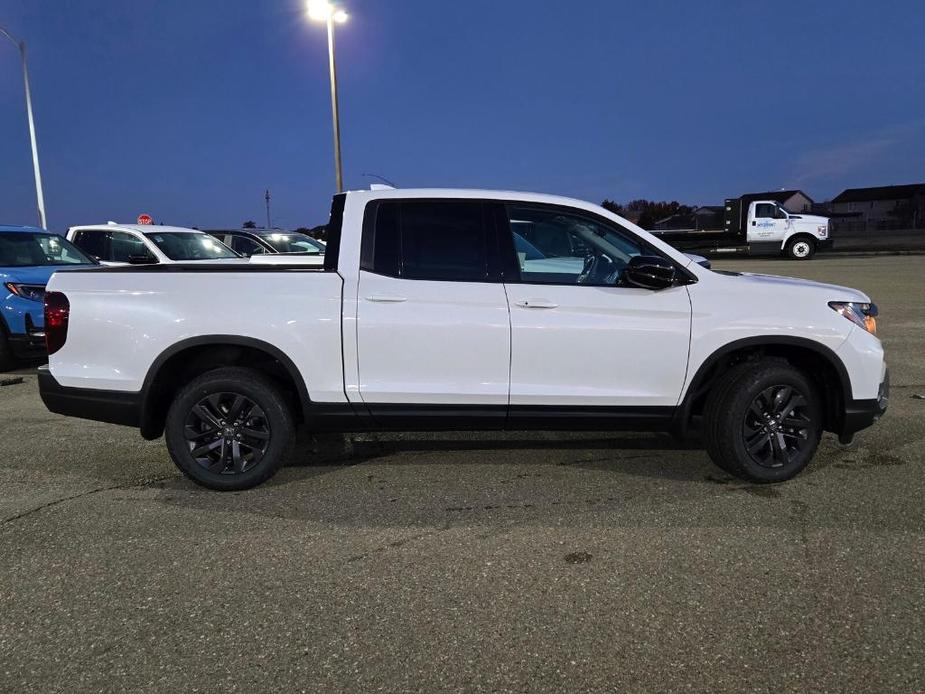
x=267, y=198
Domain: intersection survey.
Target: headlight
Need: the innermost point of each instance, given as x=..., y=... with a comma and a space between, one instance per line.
x=34, y=292
x=862, y=315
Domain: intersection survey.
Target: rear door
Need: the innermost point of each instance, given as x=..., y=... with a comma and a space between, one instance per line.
x=432, y=316
x=579, y=338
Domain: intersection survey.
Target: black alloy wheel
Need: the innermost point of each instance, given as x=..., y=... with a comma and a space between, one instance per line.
x=227, y=433
x=230, y=428
x=777, y=426
x=763, y=420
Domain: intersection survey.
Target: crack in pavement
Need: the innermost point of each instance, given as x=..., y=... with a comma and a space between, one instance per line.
x=395, y=544
x=89, y=492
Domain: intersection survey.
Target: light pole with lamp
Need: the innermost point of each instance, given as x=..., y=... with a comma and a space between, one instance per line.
x=39, y=195
x=325, y=11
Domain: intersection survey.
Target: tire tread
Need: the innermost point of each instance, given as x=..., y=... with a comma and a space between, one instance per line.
x=721, y=423
x=248, y=378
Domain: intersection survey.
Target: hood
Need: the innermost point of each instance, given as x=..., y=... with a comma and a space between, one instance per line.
x=700, y=260
x=35, y=274
x=810, y=219
x=774, y=285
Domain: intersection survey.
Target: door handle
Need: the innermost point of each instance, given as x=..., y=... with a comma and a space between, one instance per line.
x=537, y=303
x=386, y=298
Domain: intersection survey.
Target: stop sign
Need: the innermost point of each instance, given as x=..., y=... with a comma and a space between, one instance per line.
x=145, y=219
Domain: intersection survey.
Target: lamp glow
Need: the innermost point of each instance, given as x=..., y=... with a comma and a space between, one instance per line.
x=320, y=10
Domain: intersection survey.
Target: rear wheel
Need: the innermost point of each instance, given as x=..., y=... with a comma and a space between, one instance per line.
x=763, y=421
x=229, y=429
x=801, y=248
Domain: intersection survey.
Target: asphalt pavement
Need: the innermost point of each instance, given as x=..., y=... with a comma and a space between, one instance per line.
x=514, y=562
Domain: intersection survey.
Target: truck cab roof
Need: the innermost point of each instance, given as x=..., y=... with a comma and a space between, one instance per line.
x=138, y=228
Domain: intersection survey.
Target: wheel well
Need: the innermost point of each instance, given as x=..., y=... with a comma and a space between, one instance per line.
x=815, y=365
x=170, y=374
x=800, y=235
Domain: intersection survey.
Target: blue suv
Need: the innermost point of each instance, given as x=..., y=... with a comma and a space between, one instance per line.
x=28, y=258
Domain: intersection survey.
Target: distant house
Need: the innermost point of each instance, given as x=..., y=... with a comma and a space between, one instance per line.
x=882, y=206
x=792, y=200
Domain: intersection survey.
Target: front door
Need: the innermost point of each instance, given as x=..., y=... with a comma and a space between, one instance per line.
x=433, y=326
x=769, y=224
x=579, y=338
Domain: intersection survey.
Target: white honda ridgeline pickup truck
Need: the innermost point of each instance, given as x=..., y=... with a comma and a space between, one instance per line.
x=463, y=309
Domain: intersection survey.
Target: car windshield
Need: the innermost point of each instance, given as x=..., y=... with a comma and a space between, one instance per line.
x=24, y=249
x=178, y=245
x=290, y=242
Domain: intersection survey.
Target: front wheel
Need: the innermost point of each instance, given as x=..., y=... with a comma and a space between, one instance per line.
x=801, y=248
x=229, y=429
x=763, y=421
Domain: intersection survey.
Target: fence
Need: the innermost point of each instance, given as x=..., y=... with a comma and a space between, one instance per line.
x=860, y=225
x=862, y=239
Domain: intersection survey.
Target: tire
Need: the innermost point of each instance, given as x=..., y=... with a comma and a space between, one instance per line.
x=219, y=449
x=7, y=361
x=801, y=248
x=747, y=444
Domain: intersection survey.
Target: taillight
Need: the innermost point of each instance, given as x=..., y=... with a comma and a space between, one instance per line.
x=57, y=311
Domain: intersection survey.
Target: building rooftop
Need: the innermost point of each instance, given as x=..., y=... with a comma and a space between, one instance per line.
x=880, y=193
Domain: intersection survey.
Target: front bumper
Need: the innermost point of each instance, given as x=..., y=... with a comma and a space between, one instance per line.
x=860, y=414
x=824, y=244
x=23, y=321
x=28, y=346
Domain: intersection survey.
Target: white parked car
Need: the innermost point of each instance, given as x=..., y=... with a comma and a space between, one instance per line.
x=464, y=309
x=146, y=244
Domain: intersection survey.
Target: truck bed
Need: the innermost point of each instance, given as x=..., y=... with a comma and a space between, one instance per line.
x=699, y=239
x=122, y=319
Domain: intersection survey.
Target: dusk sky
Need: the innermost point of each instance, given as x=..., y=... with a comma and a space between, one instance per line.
x=189, y=109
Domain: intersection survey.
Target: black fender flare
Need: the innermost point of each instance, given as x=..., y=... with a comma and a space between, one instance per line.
x=147, y=389
x=694, y=390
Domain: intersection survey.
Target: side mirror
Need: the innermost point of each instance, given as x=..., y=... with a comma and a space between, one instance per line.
x=649, y=272
x=142, y=260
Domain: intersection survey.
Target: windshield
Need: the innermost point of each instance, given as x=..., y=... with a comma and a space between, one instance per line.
x=287, y=242
x=190, y=246
x=24, y=249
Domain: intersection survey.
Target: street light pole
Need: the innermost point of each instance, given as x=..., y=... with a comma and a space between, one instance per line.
x=335, y=112
x=325, y=11
x=39, y=195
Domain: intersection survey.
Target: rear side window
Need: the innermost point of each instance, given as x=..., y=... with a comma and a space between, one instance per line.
x=245, y=246
x=124, y=248
x=92, y=242
x=445, y=240
x=112, y=246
